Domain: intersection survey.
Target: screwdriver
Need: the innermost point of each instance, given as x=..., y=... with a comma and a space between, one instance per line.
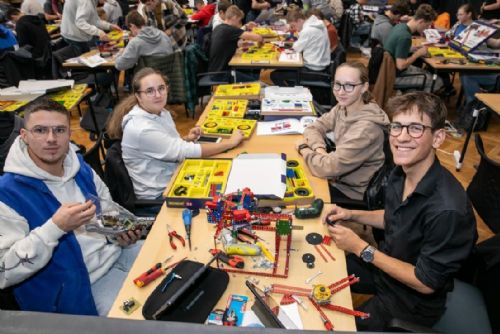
x=233, y=261
x=151, y=274
x=187, y=217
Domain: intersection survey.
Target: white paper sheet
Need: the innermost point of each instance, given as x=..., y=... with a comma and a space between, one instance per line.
x=263, y=173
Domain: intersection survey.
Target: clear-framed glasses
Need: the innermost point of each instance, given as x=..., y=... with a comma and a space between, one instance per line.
x=150, y=92
x=40, y=131
x=415, y=130
x=348, y=87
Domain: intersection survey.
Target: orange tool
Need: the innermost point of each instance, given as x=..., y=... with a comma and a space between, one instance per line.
x=171, y=235
x=153, y=273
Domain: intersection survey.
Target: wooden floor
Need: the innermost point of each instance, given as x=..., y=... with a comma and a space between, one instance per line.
x=491, y=141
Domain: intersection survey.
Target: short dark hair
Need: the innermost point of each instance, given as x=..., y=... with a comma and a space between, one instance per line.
x=316, y=12
x=295, y=15
x=425, y=103
x=469, y=9
x=425, y=12
x=135, y=18
x=45, y=104
x=11, y=12
x=199, y=2
x=223, y=5
x=400, y=7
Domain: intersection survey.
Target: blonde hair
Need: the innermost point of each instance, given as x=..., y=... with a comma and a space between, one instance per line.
x=363, y=77
x=234, y=11
x=114, y=125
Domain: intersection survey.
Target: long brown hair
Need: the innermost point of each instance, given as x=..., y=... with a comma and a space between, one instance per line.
x=363, y=77
x=114, y=125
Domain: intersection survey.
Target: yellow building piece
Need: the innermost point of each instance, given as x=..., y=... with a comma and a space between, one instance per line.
x=221, y=126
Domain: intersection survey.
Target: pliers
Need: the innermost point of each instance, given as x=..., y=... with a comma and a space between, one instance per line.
x=171, y=235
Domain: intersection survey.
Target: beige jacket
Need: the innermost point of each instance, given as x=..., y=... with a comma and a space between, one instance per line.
x=358, y=138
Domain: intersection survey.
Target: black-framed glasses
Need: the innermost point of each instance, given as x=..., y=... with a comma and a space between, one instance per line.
x=415, y=130
x=150, y=92
x=348, y=87
x=40, y=131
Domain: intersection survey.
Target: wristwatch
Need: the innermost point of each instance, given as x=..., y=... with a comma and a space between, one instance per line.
x=301, y=147
x=367, y=254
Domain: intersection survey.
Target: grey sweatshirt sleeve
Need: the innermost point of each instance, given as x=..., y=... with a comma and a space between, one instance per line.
x=129, y=57
x=86, y=16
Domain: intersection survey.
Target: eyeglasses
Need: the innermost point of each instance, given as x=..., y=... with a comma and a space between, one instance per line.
x=415, y=130
x=40, y=131
x=348, y=88
x=151, y=91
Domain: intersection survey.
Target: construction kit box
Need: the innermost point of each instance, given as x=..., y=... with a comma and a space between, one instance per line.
x=222, y=126
x=228, y=108
x=196, y=181
x=248, y=91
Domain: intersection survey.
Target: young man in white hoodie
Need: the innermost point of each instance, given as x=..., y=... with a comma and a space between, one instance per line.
x=48, y=259
x=313, y=42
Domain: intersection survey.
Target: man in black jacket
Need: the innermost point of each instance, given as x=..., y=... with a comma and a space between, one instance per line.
x=30, y=30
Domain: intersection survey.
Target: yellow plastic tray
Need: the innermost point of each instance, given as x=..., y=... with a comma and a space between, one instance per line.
x=195, y=180
x=238, y=91
x=225, y=126
x=228, y=108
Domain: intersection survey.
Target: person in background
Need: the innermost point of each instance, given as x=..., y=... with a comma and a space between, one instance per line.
x=147, y=41
x=30, y=30
x=33, y=7
x=224, y=42
x=47, y=196
x=152, y=148
x=428, y=224
x=8, y=41
x=398, y=44
x=81, y=26
x=384, y=23
x=465, y=17
x=313, y=42
x=442, y=20
x=176, y=30
x=490, y=10
x=204, y=12
x=357, y=125
x=361, y=26
x=330, y=28
x=113, y=11
x=53, y=7
x=220, y=16
x=322, y=5
x=256, y=9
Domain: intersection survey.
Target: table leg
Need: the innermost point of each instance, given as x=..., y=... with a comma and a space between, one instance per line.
x=459, y=157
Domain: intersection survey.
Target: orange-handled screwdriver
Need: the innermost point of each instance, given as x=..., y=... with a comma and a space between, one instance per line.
x=151, y=274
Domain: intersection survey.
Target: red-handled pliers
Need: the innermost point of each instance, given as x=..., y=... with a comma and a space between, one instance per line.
x=171, y=235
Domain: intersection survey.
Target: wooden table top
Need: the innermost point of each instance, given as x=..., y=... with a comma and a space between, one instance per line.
x=491, y=100
x=156, y=248
x=110, y=62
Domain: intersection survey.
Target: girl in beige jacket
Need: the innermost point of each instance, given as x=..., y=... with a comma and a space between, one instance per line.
x=357, y=125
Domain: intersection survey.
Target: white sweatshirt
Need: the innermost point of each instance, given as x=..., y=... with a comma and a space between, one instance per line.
x=17, y=241
x=314, y=44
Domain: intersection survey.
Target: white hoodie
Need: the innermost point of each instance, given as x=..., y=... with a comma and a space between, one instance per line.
x=314, y=44
x=17, y=241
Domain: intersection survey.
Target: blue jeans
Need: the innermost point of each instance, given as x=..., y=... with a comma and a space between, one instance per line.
x=362, y=30
x=472, y=84
x=106, y=288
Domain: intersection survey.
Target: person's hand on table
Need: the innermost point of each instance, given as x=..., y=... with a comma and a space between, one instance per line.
x=421, y=52
x=335, y=213
x=103, y=36
x=236, y=138
x=346, y=240
x=250, y=25
x=128, y=238
x=115, y=27
x=193, y=134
